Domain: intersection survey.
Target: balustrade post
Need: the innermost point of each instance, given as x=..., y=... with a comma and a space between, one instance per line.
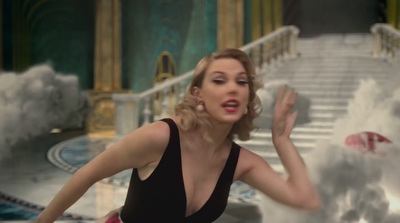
x=390, y=47
x=126, y=114
x=146, y=111
x=181, y=91
x=164, y=110
x=385, y=44
x=263, y=55
x=376, y=41
x=279, y=55
x=385, y=41
x=285, y=46
x=272, y=53
x=256, y=59
x=293, y=42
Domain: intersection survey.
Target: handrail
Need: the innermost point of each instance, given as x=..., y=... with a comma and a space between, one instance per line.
x=265, y=53
x=246, y=48
x=386, y=40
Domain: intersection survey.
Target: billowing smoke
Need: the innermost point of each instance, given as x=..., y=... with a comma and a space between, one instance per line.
x=355, y=187
x=36, y=101
x=374, y=108
x=268, y=95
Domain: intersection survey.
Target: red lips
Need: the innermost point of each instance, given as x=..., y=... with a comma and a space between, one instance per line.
x=231, y=105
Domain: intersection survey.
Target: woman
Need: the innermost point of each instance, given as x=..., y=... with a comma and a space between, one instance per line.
x=183, y=167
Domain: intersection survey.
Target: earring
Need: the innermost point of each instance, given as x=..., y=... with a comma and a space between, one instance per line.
x=245, y=111
x=200, y=107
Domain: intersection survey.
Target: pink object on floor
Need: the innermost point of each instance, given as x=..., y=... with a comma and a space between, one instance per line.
x=114, y=219
x=365, y=141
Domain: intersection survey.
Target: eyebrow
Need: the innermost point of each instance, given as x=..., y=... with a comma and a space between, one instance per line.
x=221, y=72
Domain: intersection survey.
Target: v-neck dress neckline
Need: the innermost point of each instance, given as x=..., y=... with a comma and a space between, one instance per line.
x=223, y=175
x=217, y=184
x=161, y=197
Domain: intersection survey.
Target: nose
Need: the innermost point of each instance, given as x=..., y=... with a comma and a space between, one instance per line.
x=232, y=87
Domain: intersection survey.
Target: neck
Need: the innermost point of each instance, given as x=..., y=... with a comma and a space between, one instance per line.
x=218, y=134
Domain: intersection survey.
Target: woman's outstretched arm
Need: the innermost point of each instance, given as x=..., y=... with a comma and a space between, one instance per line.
x=297, y=190
x=141, y=147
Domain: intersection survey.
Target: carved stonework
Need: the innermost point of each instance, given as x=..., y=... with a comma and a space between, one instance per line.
x=101, y=117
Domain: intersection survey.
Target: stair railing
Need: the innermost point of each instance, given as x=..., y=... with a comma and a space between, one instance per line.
x=134, y=110
x=385, y=40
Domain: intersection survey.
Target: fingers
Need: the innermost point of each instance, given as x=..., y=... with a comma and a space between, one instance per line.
x=281, y=94
x=289, y=97
x=286, y=96
x=293, y=117
x=292, y=97
x=291, y=121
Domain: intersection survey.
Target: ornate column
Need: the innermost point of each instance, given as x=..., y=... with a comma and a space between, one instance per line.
x=267, y=16
x=230, y=23
x=107, y=64
x=256, y=20
x=392, y=12
x=398, y=14
x=277, y=13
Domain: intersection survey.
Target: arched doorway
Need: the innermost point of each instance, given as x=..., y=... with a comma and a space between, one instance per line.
x=164, y=70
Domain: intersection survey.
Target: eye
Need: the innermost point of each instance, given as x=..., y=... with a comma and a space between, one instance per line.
x=218, y=81
x=242, y=82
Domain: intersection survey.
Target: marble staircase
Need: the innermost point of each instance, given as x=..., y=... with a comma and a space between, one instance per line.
x=327, y=72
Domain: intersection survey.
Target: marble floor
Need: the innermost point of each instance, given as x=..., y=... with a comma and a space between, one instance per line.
x=36, y=170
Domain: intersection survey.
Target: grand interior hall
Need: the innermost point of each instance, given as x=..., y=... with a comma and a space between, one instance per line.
x=78, y=76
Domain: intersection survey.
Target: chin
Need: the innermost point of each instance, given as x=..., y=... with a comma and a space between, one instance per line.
x=229, y=119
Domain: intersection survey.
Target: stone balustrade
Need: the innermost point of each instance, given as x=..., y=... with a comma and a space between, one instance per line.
x=134, y=110
x=386, y=41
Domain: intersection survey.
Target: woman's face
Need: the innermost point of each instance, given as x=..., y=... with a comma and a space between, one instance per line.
x=225, y=90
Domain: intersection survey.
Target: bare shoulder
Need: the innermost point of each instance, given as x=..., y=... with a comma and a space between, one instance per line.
x=142, y=146
x=247, y=161
x=248, y=157
x=139, y=148
x=151, y=136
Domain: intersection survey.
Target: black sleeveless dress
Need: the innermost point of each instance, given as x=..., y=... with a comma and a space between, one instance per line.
x=162, y=198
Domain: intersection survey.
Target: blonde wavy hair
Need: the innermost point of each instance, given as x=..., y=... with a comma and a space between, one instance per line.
x=191, y=119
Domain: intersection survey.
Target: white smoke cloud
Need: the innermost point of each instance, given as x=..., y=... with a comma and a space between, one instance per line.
x=374, y=108
x=36, y=101
x=355, y=187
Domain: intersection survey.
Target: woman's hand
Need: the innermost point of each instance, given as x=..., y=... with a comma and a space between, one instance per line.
x=284, y=120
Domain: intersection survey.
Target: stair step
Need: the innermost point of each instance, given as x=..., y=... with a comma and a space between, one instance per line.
x=298, y=130
x=296, y=135
x=344, y=74
x=317, y=107
x=330, y=101
x=312, y=82
x=267, y=146
x=328, y=72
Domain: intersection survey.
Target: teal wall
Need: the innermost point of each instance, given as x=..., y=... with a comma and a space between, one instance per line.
x=184, y=28
x=7, y=35
x=57, y=31
x=247, y=22
x=62, y=32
